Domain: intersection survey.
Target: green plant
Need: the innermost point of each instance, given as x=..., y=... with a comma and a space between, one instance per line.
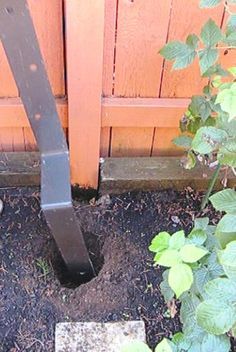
x=180, y=254
x=43, y=266
x=207, y=290
x=209, y=127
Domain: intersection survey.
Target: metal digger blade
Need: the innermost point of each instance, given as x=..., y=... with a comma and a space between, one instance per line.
x=22, y=49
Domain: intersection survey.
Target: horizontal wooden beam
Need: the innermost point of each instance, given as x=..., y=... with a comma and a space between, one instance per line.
x=116, y=112
x=142, y=112
x=12, y=113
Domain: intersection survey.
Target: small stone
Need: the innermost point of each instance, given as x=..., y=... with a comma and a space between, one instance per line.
x=104, y=200
x=97, y=337
x=1, y=206
x=175, y=219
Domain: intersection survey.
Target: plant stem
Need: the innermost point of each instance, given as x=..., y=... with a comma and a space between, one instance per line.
x=230, y=47
x=211, y=186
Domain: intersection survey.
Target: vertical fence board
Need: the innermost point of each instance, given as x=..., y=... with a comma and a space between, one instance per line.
x=105, y=141
x=109, y=46
x=84, y=38
x=6, y=139
x=48, y=20
x=18, y=139
x=141, y=31
x=108, y=66
x=30, y=142
x=163, y=142
x=131, y=141
x=186, y=19
x=7, y=83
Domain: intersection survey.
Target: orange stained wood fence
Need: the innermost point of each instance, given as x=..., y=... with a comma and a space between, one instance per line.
x=115, y=94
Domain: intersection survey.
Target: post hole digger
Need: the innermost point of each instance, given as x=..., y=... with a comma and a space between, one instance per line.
x=22, y=49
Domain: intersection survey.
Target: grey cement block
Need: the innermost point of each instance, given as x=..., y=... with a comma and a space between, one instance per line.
x=97, y=337
x=19, y=169
x=157, y=173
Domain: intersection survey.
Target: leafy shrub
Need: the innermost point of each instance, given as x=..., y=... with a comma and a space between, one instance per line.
x=208, y=294
x=209, y=127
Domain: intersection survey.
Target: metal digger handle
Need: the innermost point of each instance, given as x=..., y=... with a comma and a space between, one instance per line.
x=22, y=49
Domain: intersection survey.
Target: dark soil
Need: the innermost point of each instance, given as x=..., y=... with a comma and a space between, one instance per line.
x=32, y=299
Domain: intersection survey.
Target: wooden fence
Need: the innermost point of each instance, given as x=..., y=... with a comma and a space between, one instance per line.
x=115, y=94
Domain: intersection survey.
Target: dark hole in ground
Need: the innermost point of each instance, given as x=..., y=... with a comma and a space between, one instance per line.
x=72, y=280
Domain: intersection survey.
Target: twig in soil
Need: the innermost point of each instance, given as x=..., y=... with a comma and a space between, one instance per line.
x=3, y=270
x=172, y=308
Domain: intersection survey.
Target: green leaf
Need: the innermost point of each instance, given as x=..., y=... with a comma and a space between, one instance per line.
x=180, y=278
x=207, y=58
x=207, y=91
x=207, y=139
x=192, y=40
x=191, y=254
x=217, y=81
x=201, y=223
x=209, y=343
x=197, y=237
x=200, y=107
x=227, y=153
x=214, y=267
x=224, y=201
x=193, y=124
x=190, y=161
x=164, y=346
x=214, y=343
x=227, y=258
x=180, y=340
x=188, y=308
x=168, y=258
x=188, y=318
x=177, y=240
x=182, y=53
x=135, y=346
x=183, y=141
x=216, y=69
x=233, y=331
x=226, y=229
x=230, y=37
x=184, y=60
x=209, y=3
x=160, y=242
x=207, y=273
x=211, y=33
x=227, y=100
x=231, y=23
x=166, y=291
x=232, y=70
x=222, y=289
x=172, y=50
x=224, y=123
x=201, y=277
x=215, y=317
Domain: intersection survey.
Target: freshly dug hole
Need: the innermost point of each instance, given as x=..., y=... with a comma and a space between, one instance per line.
x=69, y=280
